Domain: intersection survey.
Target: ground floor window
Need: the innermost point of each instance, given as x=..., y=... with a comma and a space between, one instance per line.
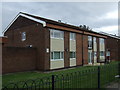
x=102, y=53
x=72, y=54
x=57, y=55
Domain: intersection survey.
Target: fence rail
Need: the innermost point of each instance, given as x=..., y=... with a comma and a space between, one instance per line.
x=96, y=77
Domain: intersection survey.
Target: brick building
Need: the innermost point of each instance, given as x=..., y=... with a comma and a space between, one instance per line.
x=43, y=44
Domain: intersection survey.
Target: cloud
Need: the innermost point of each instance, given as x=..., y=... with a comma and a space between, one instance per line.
x=109, y=29
x=93, y=14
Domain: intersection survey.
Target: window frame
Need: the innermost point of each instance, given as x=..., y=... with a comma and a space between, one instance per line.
x=90, y=42
x=73, y=53
x=23, y=36
x=53, y=59
x=53, y=34
x=103, y=54
x=73, y=35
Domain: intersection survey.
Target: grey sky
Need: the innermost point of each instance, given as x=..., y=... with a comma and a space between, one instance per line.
x=100, y=16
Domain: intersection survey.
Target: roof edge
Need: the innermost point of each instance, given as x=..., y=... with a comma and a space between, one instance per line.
x=23, y=15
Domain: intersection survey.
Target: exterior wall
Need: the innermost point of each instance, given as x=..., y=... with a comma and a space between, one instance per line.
x=56, y=45
x=57, y=64
x=35, y=34
x=39, y=37
x=85, y=49
x=112, y=45
x=0, y=58
x=79, y=48
x=66, y=49
x=18, y=59
x=73, y=49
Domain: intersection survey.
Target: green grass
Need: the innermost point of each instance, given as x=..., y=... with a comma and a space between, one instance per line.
x=84, y=76
x=23, y=76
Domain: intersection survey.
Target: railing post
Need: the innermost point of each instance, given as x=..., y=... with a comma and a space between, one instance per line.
x=98, y=76
x=53, y=82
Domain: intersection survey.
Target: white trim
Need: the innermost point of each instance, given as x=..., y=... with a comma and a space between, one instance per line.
x=29, y=17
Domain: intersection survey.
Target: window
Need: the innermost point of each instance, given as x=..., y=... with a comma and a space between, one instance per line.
x=94, y=40
x=101, y=40
x=56, y=55
x=95, y=54
x=72, y=36
x=56, y=34
x=23, y=36
x=90, y=42
x=102, y=53
x=72, y=55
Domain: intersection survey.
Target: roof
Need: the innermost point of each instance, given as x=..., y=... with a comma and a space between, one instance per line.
x=110, y=35
x=45, y=20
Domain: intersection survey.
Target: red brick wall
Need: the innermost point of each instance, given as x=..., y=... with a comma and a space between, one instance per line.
x=85, y=49
x=112, y=45
x=78, y=49
x=66, y=49
x=35, y=36
x=18, y=59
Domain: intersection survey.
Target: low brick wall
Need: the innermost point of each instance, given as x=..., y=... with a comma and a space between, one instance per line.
x=16, y=59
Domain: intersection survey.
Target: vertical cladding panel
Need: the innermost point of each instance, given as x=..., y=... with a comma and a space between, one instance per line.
x=85, y=49
x=47, y=49
x=78, y=49
x=66, y=49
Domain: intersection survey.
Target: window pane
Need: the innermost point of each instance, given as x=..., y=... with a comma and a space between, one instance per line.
x=61, y=55
x=89, y=41
x=56, y=55
x=101, y=53
x=51, y=33
x=72, y=36
x=23, y=36
x=72, y=55
x=101, y=40
x=51, y=55
x=56, y=33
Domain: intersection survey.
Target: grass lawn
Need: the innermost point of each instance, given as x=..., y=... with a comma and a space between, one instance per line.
x=23, y=76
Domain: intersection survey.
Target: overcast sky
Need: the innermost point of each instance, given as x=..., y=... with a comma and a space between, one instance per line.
x=100, y=16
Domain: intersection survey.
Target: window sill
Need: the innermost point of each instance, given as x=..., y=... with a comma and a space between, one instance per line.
x=56, y=59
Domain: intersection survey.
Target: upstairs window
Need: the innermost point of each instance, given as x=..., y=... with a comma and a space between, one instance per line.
x=94, y=40
x=23, y=36
x=101, y=40
x=72, y=36
x=56, y=34
x=90, y=42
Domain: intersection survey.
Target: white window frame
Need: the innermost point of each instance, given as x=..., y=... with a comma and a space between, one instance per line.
x=90, y=40
x=75, y=54
x=23, y=36
x=60, y=56
x=53, y=36
x=74, y=34
x=102, y=41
